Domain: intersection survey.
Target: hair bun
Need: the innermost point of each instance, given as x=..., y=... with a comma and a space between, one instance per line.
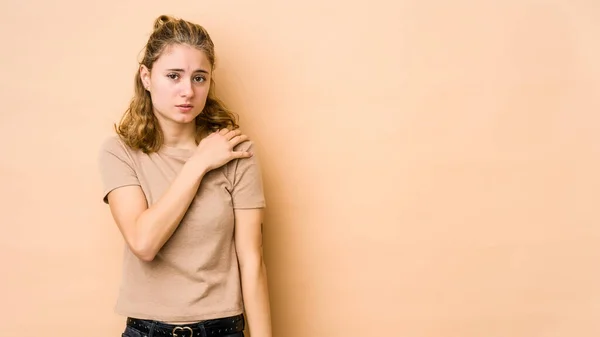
x=162, y=20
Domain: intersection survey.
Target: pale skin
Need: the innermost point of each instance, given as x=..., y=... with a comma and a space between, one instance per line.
x=179, y=83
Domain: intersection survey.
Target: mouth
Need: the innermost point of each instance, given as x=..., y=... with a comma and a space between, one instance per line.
x=187, y=106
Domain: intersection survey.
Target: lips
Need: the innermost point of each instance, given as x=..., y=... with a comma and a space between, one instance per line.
x=185, y=106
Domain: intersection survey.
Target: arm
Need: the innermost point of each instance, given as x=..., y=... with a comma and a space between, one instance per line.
x=248, y=242
x=146, y=229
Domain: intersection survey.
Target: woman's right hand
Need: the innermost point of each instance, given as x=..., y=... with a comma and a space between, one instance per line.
x=216, y=149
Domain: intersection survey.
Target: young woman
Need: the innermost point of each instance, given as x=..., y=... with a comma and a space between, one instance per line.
x=184, y=188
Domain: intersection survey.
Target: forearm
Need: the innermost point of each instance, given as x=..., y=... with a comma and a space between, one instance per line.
x=156, y=224
x=256, y=298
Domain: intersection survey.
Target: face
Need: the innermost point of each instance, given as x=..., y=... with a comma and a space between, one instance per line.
x=178, y=84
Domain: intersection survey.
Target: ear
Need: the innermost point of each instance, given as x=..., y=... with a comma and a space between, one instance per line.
x=145, y=76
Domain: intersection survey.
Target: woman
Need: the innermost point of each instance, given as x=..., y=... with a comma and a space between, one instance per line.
x=184, y=188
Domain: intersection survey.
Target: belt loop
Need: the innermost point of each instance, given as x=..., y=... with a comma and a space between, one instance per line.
x=152, y=326
x=203, y=330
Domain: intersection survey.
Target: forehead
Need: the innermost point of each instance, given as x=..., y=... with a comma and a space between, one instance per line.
x=182, y=57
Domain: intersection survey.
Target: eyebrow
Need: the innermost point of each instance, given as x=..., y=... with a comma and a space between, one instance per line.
x=196, y=71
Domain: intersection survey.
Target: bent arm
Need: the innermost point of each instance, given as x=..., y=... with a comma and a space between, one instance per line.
x=248, y=241
x=146, y=229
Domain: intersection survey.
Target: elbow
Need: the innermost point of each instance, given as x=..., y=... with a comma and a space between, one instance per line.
x=143, y=250
x=145, y=256
x=141, y=243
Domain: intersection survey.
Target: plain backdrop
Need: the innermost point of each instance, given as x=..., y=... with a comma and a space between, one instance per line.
x=431, y=167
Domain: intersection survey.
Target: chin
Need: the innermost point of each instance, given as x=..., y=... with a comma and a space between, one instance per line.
x=184, y=118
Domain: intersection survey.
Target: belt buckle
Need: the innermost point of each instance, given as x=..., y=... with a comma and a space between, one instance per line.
x=179, y=328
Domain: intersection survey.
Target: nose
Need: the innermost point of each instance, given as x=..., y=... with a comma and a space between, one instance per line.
x=187, y=90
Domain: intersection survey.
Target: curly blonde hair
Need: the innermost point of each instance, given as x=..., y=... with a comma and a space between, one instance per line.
x=139, y=127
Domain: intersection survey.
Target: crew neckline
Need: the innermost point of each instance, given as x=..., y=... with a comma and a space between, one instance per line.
x=176, y=151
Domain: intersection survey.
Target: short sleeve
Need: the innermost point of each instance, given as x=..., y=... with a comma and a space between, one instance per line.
x=116, y=167
x=247, y=189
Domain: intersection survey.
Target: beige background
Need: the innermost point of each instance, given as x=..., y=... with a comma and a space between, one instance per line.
x=432, y=167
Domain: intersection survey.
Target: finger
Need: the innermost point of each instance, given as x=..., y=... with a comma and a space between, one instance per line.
x=233, y=133
x=224, y=131
x=241, y=154
x=238, y=139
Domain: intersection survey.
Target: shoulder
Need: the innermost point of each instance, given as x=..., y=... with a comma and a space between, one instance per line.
x=111, y=143
x=246, y=145
x=239, y=165
x=114, y=144
x=114, y=147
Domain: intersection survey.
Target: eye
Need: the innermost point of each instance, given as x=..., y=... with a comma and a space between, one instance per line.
x=173, y=76
x=199, y=79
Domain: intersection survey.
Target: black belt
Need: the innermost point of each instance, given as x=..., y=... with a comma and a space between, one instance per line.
x=211, y=328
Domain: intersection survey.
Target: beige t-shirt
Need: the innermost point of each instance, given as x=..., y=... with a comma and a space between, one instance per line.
x=195, y=275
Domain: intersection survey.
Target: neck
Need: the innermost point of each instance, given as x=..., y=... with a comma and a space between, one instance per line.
x=179, y=135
